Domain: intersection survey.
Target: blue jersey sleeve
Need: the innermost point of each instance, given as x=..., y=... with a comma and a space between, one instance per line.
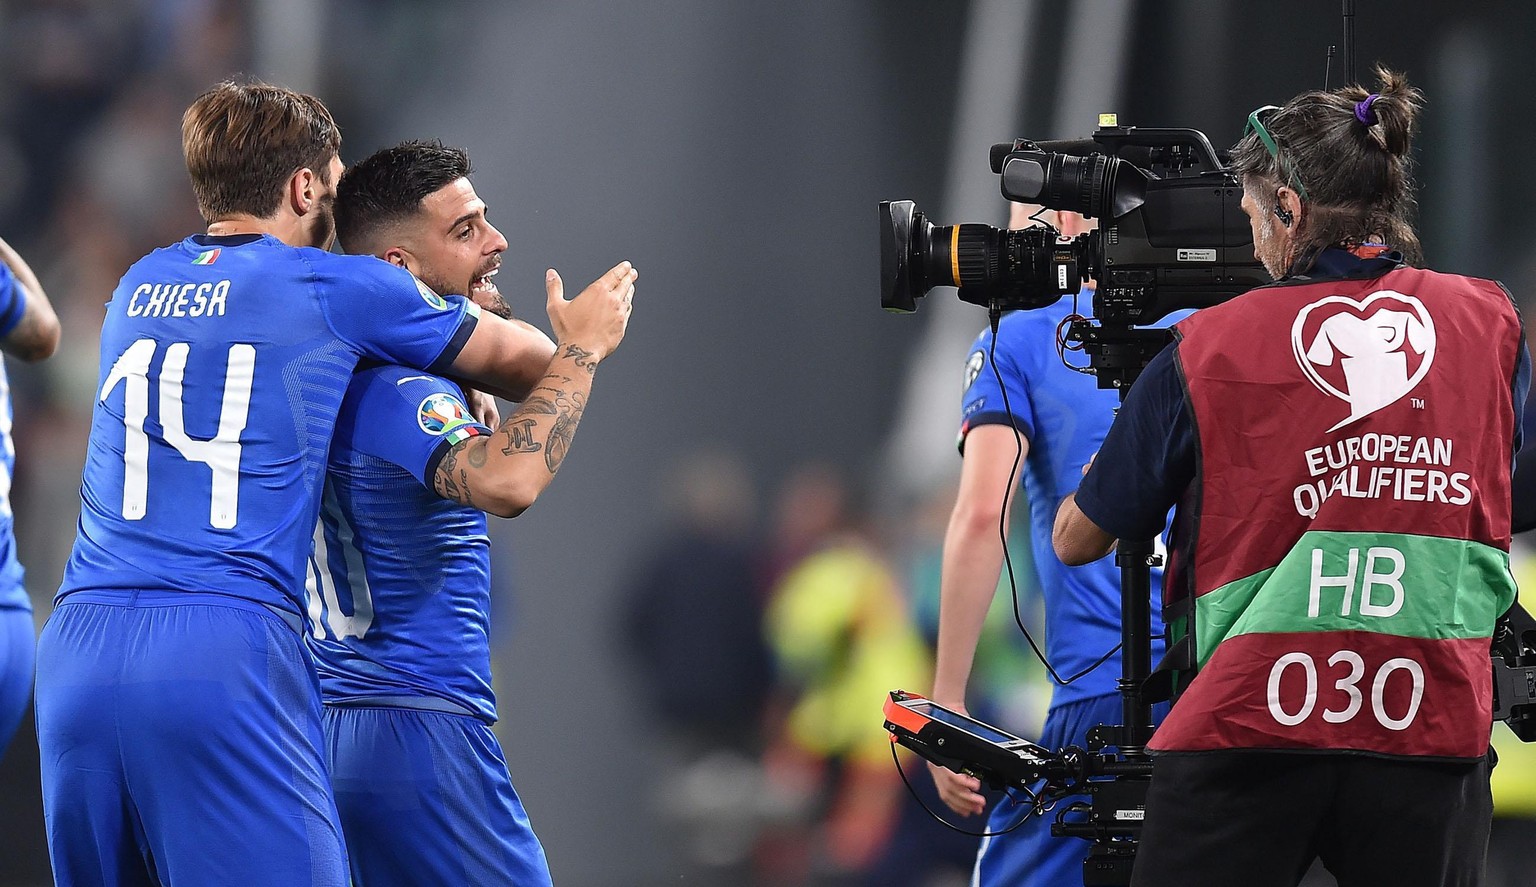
x=13, y=300
x=406, y=418
x=996, y=387
x=387, y=314
x=1148, y=457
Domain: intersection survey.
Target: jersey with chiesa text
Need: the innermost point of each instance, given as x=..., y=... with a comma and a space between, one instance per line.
x=399, y=581
x=223, y=365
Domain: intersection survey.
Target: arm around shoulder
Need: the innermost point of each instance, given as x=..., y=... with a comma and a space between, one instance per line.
x=509, y=357
x=504, y=357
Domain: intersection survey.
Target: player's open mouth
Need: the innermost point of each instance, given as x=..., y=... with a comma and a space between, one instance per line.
x=483, y=283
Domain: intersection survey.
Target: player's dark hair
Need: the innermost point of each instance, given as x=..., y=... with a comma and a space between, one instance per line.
x=243, y=141
x=389, y=186
x=1347, y=152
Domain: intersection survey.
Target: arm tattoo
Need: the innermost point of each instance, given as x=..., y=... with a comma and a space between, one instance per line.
x=582, y=357
x=450, y=481
x=519, y=426
x=563, y=430
x=519, y=436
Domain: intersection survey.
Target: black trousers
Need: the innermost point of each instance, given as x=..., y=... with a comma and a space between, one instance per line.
x=1259, y=819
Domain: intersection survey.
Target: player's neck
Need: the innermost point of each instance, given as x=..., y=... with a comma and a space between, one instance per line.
x=284, y=229
x=241, y=225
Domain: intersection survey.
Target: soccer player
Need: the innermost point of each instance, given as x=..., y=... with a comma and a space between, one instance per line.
x=28, y=330
x=1029, y=406
x=178, y=711
x=400, y=582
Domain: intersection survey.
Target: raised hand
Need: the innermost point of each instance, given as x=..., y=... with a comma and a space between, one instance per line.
x=594, y=321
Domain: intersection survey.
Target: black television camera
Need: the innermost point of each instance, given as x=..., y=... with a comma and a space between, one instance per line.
x=1172, y=234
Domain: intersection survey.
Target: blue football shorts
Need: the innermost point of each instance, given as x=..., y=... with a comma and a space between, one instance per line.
x=18, y=644
x=425, y=799
x=181, y=744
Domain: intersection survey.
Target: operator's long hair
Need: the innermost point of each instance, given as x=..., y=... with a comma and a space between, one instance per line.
x=1358, y=176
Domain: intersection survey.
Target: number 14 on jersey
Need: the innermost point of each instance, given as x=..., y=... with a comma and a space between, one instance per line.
x=221, y=453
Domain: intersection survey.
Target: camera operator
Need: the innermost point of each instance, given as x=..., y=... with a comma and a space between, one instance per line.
x=1339, y=445
x=1053, y=421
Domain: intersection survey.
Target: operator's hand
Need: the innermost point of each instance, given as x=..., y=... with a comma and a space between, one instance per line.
x=598, y=317
x=483, y=407
x=959, y=792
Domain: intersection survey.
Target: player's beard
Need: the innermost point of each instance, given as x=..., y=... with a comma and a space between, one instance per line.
x=322, y=231
x=497, y=306
x=488, y=297
x=488, y=300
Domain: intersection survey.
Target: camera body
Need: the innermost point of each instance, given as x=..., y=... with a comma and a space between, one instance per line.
x=1172, y=231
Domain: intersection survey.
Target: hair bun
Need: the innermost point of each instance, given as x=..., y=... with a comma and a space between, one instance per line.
x=1364, y=112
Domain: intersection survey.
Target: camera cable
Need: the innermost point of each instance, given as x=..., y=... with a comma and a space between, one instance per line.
x=994, y=315
x=1037, y=804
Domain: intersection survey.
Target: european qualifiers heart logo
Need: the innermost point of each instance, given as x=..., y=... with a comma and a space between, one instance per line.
x=1369, y=354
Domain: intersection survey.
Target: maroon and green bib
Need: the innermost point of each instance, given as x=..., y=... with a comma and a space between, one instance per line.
x=1345, y=544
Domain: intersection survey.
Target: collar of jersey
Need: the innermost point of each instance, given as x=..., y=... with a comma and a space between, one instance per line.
x=225, y=239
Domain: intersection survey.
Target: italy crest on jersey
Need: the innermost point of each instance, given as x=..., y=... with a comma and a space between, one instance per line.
x=441, y=413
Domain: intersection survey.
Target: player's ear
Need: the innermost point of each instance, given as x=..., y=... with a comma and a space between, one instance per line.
x=303, y=191
x=398, y=257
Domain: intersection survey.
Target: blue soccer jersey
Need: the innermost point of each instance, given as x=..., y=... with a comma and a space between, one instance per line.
x=13, y=593
x=1064, y=415
x=399, y=583
x=223, y=365
x=16, y=637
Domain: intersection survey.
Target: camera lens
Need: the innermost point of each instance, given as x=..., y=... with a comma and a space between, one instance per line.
x=1024, y=268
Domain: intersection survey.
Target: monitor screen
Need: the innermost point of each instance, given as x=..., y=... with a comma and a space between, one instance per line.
x=955, y=719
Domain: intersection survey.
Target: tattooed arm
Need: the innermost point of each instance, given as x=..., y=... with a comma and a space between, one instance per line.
x=504, y=473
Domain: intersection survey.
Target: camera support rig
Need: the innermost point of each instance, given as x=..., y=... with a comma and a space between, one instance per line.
x=1118, y=354
x=1514, y=672
x=1117, y=786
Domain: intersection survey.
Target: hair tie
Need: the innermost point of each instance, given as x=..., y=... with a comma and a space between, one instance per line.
x=1364, y=112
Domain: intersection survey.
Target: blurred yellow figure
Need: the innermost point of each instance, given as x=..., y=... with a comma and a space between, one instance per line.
x=840, y=628
x=843, y=637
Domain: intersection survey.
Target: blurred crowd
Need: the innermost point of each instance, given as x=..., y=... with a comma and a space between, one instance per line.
x=91, y=178
x=768, y=646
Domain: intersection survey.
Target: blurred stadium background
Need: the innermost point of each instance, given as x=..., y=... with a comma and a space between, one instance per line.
x=767, y=463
